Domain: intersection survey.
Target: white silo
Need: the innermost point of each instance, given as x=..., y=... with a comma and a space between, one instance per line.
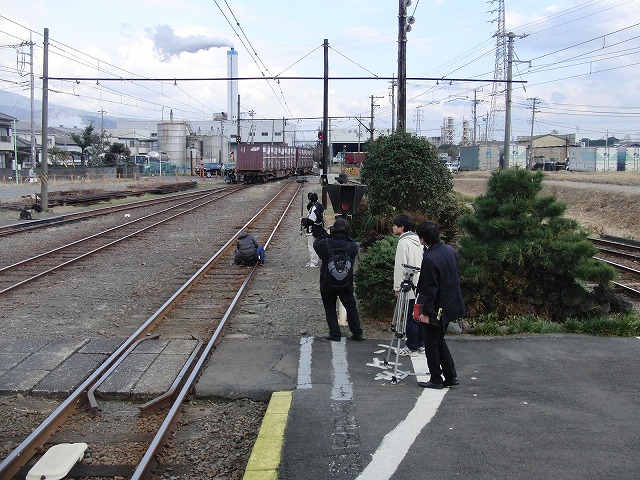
x=172, y=139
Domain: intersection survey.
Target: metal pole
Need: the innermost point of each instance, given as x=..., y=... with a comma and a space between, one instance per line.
x=33, y=133
x=533, y=116
x=44, y=191
x=15, y=150
x=238, y=132
x=325, y=121
x=402, y=66
x=393, y=104
x=507, y=118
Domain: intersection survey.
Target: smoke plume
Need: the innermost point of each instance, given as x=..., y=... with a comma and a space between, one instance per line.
x=167, y=44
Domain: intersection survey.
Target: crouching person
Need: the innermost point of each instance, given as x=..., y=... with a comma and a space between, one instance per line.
x=248, y=251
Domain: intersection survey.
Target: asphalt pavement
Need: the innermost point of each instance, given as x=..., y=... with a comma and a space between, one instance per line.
x=531, y=407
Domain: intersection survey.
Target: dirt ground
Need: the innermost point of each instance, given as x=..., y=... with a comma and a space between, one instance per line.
x=604, y=203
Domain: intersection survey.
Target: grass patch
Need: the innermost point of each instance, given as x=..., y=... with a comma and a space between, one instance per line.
x=627, y=325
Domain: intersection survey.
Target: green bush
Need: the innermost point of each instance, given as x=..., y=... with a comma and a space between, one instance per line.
x=403, y=174
x=374, y=278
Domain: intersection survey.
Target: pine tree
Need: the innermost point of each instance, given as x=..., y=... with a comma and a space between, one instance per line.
x=520, y=255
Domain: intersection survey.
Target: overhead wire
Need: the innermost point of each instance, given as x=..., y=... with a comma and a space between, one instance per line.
x=255, y=57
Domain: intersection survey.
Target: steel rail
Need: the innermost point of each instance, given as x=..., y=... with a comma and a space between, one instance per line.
x=102, y=247
x=619, y=266
x=36, y=439
x=93, y=405
x=17, y=228
x=145, y=465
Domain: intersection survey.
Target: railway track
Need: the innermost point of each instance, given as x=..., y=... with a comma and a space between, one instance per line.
x=30, y=225
x=32, y=268
x=173, y=321
x=625, y=258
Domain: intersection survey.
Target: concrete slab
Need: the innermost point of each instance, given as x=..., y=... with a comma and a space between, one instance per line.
x=21, y=381
x=159, y=377
x=260, y=367
x=69, y=375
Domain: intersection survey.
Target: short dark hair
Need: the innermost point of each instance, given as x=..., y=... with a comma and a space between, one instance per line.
x=312, y=196
x=340, y=225
x=429, y=232
x=404, y=221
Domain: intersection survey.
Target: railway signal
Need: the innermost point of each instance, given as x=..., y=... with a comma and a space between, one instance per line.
x=345, y=199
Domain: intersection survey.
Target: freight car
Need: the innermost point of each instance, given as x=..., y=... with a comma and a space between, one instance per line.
x=259, y=163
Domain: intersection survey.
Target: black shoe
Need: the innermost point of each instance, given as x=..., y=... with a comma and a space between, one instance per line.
x=333, y=339
x=357, y=338
x=437, y=386
x=452, y=382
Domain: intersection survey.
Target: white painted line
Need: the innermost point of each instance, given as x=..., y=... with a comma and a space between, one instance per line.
x=420, y=368
x=342, y=390
x=304, y=364
x=397, y=442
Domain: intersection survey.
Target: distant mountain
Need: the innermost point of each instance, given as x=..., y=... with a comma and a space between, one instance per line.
x=19, y=106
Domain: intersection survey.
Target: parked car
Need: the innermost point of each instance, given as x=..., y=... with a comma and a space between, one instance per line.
x=550, y=166
x=209, y=169
x=454, y=167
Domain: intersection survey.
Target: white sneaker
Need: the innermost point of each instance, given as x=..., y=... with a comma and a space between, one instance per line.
x=407, y=352
x=421, y=350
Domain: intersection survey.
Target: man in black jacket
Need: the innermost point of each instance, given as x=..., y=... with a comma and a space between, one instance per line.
x=338, y=240
x=441, y=298
x=248, y=251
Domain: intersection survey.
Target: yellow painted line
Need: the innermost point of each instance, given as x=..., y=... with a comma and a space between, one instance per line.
x=264, y=460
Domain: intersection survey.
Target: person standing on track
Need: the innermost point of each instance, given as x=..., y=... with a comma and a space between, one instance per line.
x=338, y=240
x=313, y=224
x=441, y=302
x=408, y=252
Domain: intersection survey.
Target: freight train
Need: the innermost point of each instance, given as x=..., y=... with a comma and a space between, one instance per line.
x=259, y=163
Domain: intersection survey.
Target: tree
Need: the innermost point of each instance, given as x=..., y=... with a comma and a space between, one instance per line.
x=117, y=154
x=57, y=155
x=403, y=174
x=88, y=140
x=521, y=256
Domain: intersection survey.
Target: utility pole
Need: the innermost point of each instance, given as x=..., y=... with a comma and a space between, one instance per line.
x=238, y=133
x=44, y=174
x=533, y=116
x=475, y=114
x=371, y=122
x=404, y=26
x=507, y=117
x=325, y=120
x=392, y=91
x=101, y=112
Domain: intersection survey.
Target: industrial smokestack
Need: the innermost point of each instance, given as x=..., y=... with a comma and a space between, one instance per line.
x=232, y=87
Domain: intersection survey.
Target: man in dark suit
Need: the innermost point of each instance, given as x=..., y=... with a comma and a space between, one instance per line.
x=441, y=298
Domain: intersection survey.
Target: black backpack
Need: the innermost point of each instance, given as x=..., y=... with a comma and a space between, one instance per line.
x=339, y=267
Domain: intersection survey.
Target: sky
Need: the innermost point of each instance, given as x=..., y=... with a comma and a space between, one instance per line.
x=579, y=60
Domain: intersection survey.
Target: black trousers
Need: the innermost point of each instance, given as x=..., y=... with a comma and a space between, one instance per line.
x=329, y=298
x=439, y=359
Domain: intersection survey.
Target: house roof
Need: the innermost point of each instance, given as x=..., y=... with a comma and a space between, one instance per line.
x=6, y=118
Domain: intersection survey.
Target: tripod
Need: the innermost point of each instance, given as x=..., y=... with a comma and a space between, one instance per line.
x=399, y=324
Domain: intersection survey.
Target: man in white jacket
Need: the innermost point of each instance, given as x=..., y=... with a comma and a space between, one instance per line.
x=408, y=252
